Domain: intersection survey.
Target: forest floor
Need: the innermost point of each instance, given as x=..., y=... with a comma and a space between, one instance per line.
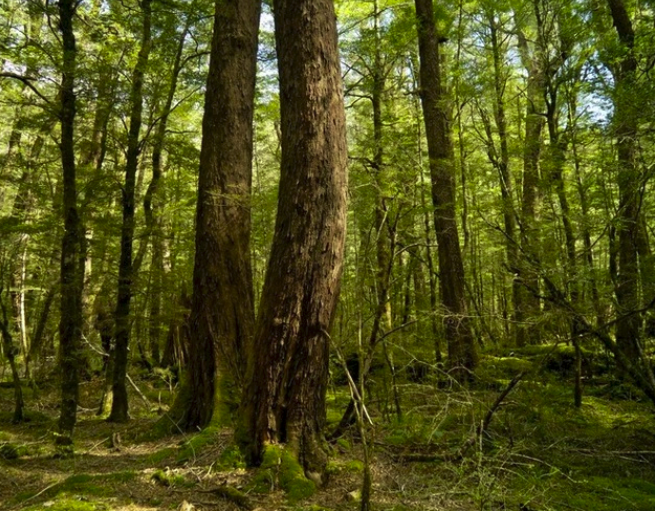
x=538, y=453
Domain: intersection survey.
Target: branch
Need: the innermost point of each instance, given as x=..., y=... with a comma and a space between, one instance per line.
x=27, y=81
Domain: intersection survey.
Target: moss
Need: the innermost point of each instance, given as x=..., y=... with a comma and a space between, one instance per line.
x=87, y=485
x=170, y=479
x=161, y=429
x=293, y=480
x=355, y=466
x=415, y=429
x=333, y=468
x=341, y=466
x=10, y=451
x=344, y=444
x=502, y=368
x=604, y=494
x=67, y=504
x=161, y=455
x=280, y=467
x=226, y=402
x=31, y=416
x=231, y=458
x=200, y=441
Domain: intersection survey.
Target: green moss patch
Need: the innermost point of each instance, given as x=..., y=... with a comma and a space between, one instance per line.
x=83, y=485
x=170, y=479
x=192, y=447
x=604, y=494
x=231, y=458
x=280, y=468
x=68, y=504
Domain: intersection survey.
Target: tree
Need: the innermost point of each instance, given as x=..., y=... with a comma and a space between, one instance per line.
x=119, y=408
x=284, y=401
x=461, y=344
x=629, y=181
x=222, y=309
x=70, y=326
x=529, y=307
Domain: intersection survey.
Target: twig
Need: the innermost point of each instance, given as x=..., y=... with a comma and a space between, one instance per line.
x=129, y=378
x=499, y=401
x=27, y=81
x=97, y=444
x=141, y=394
x=40, y=493
x=480, y=430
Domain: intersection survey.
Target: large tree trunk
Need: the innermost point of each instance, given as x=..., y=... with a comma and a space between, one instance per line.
x=119, y=409
x=222, y=309
x=461, y=346
x=627, y=219
x=285, y=398
x=70, y=326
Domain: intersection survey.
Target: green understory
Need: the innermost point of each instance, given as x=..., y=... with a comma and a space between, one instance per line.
x=539, y=451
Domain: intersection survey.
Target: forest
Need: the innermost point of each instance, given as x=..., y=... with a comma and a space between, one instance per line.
x=320, y=255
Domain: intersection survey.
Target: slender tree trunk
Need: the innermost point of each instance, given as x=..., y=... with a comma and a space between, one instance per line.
x=504, y=174
x=39, y=332
x=151, y=206
x=584, y=206
x=432, y=276
x=120, y=408
x=19, y=244
x=10, y=352
x=461, y=346
x=530, y=307
x=558, y=147
x=287, y=379
x=222, y=309
x=70, y=326
x=627, y=221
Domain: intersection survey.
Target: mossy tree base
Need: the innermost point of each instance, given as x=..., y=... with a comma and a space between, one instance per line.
x=281, y=469
x=189, y=413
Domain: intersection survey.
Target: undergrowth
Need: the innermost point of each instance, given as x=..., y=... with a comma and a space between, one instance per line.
x=539, y=452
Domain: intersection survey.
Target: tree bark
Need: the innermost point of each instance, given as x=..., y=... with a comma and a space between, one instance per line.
x=461, y=346
x=285, y=398
x=530, y=307
x=10, y=352
x=222, y=309
x=120, y=407
x=70, y=326
x=627, y=220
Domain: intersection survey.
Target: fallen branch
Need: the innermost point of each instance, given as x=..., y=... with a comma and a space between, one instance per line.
x=141, y=394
